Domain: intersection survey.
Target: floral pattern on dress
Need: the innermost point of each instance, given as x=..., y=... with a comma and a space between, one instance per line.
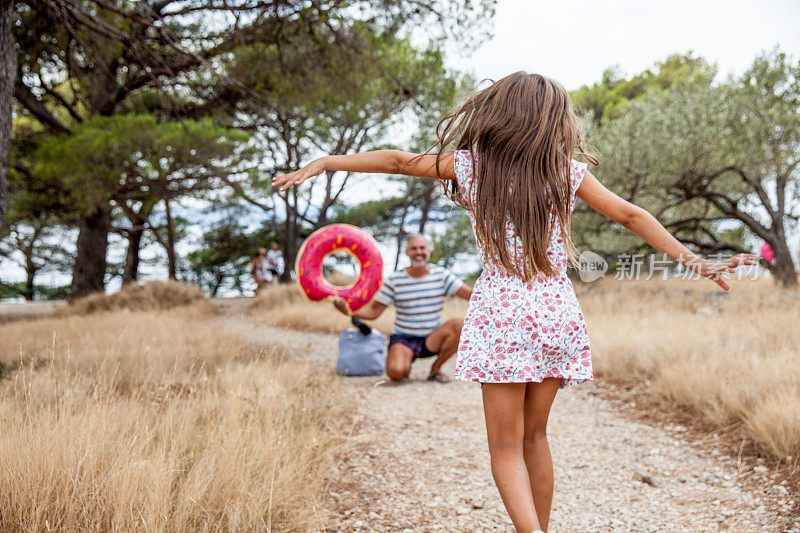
x=517, y=331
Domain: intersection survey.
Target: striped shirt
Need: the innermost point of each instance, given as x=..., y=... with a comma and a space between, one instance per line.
x=418, y=301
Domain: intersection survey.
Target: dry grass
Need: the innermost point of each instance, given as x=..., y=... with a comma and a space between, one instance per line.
x=159, y=421
x=341, y=279
x=728, y=358
x=152, y=295
x=285, y=306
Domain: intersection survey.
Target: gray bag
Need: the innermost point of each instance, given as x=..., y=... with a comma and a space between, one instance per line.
x=361, y=355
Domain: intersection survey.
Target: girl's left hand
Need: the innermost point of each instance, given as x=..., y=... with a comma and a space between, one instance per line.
x=714, y=270
x=297, y=177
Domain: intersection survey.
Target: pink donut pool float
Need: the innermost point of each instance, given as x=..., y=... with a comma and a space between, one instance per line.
x=335, y=238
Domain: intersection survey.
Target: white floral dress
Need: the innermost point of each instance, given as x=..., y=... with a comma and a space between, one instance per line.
x=517, y=331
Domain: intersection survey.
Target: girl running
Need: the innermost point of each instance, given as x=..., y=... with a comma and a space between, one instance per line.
x=514, y=169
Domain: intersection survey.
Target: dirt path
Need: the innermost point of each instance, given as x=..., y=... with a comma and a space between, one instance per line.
x=28, y=310
x=419, y=462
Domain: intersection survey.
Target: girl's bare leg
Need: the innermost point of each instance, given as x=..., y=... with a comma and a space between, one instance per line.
x=503, y=405
x=539, y=398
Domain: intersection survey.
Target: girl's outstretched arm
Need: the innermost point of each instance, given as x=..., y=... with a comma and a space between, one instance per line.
x=645, y=225
x=379, y=161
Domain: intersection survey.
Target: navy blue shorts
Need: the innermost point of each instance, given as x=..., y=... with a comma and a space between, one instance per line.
x=417, y=345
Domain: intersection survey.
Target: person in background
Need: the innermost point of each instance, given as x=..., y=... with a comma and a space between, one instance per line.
x=274, y=262
x=258, y=267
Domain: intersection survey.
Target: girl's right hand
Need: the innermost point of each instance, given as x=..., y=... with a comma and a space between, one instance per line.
x=297, y=177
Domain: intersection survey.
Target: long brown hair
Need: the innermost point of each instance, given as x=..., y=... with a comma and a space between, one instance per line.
x=522, y=135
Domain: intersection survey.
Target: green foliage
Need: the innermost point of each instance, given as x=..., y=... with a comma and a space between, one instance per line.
x=223, y=255
x=379, y=73
x=171, y=59
x=36, y=237
x=421, y=202
x=701, y=156
x=606, y=99
x=303, y=77
x=32, y=236
x=378, y=217
x=456, y=240
x=21, y=290
x=346, y=100
x=134, y=156
x=645, y=152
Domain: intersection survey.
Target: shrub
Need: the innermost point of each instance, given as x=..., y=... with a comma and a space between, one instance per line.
x=150, y=296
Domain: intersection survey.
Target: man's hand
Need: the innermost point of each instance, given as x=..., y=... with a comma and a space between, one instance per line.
x=370, y=312
x=714, y=270
x=341, y=305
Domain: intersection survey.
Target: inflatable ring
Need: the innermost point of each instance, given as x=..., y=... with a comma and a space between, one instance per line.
x=334, y=238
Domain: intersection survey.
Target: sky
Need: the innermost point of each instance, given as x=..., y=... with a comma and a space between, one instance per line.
x=574, y=41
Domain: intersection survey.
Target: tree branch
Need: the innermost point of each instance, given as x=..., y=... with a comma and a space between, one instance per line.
x=241, y=192
x=715, y=247
x=29, y=101
x=58, y=98
x=726, y=205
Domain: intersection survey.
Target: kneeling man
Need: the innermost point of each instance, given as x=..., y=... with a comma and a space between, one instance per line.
x=417, y=293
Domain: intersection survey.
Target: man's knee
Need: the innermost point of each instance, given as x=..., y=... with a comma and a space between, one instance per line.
x=396, y=371
x=454, y=329
x=398, y=362
x=455, y=325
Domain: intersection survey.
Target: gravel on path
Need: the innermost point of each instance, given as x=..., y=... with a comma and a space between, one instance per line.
x=419, y=462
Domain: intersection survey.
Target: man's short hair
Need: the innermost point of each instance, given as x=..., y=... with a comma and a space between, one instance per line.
x=420, y=236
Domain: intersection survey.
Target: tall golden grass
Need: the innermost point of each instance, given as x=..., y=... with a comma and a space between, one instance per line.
x=727, y=357
x=159, y=421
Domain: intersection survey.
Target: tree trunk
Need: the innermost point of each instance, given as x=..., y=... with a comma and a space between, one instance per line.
x=30, y=274
x=427, y=203
x=170, y=243
x=401, y=235
x=8, y=73
x=89, y=272
x=217, y=284
x=291, y=236
x=291, y=247
x=131, y=272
